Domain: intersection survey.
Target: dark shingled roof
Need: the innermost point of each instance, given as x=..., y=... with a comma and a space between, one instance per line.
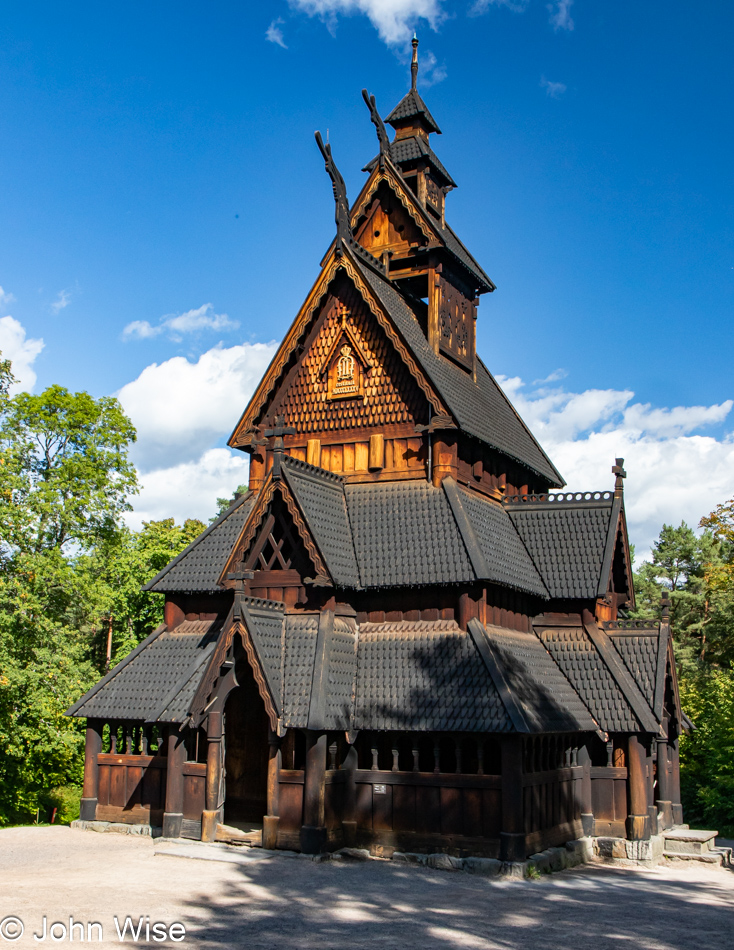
x=198, y=566
x=157, y=681
x=566, y=539
x=589, y=675
x=503, y=558
x=409, y=106
x=320, y=495
x=301, y=633
x=639, y=650
x=481, y=408
x=412, y=149
x=405, y=534
x=340, y=658
x=264, y=623
x=460, y=252
x=543, y=698
x=424, y=676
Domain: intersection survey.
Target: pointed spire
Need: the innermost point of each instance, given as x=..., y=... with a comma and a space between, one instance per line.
x=414, y=64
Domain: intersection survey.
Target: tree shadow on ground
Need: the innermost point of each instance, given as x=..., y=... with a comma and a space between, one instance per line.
x=295, y=904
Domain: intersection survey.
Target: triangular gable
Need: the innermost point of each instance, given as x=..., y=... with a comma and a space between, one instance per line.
x=334, y=265
x=617, y=564
x=257, y=531
x=259, y=625
x=434, y=234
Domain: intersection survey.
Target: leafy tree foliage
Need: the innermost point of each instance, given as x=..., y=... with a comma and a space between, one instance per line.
x=698, y=571
x=70, y=577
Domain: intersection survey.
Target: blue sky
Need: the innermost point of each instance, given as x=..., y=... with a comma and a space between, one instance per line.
x=159, y=174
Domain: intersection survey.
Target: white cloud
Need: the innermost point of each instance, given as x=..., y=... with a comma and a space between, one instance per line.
x=481, y=6
x=274, y=33
x=190, y=489
x=180, y=409
x=62, y=300
x=552, y=89
x=560, y=15
x=5, y=298
x=394, y=20
x=15, y=346
x=202, y=318
x=431, y=70
x=553, y=377
x=674, y=473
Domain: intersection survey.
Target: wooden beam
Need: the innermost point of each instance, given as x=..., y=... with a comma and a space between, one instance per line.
x=272, y=819
x=638, y=820
x=210, y=816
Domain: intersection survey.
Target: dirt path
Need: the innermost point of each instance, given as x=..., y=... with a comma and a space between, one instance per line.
x=282, y=903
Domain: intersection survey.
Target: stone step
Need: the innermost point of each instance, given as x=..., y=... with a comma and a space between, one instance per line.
x=722, y=857
x=689, y=841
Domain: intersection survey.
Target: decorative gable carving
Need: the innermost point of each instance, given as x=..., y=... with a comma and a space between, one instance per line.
x=456, y=315
x=346, y=364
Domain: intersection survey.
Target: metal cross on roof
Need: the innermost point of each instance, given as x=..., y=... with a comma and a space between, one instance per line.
x=618, y=470
x=276, y=433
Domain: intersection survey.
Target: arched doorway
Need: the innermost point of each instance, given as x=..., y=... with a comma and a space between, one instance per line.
x=246, y=751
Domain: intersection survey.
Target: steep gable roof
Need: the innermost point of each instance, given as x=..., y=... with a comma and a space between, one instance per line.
x=568, y=537
x=409, y=106
x=480, y=407
x=157, y=680
x=198, y=566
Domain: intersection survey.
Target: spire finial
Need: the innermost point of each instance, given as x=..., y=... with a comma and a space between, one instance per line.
x=618, y=470
x=414, y=64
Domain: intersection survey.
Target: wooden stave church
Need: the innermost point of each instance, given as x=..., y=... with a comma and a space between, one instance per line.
x=398, y=638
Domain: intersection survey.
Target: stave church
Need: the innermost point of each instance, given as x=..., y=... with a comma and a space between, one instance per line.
x=404, y=635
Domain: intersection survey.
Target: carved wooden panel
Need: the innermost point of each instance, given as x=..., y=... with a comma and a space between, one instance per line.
x=456, y=315
x=387, y=393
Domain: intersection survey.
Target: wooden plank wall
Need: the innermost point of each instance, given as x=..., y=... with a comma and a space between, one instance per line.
x=132, y=788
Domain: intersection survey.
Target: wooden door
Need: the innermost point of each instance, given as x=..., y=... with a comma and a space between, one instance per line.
x=246, y=750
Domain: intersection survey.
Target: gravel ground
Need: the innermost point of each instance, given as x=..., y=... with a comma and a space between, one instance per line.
x=263, y=902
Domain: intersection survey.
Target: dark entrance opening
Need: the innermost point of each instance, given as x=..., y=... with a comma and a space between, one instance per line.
x=246, y=750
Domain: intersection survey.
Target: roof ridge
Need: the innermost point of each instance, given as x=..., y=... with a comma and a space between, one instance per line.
x=559, y=498
x=306, y=468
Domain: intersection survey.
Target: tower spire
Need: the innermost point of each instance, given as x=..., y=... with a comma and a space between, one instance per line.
x=414, y=64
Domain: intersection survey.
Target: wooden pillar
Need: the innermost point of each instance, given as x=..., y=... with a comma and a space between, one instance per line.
x=638, y=820
x=664, y=800
x=652, y=810
x=587, y=810
x=676, y=807
x=92, y=748
x=173, y=814
x=257, y=470
x=512, y=836
x=313, y=830
x=271, y=820
x=210, y=816
x=349, y=819
x=445, y=457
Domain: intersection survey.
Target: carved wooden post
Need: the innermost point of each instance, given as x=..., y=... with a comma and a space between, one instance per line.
x=512, y=836
x=664, y=799
x=93, y=746
x=349, y=821
x=313, y=830
x=271, y=820
x=587, y=810
x=173, y=814
x=638, y=820
x=210, y=816
x=676, y=808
